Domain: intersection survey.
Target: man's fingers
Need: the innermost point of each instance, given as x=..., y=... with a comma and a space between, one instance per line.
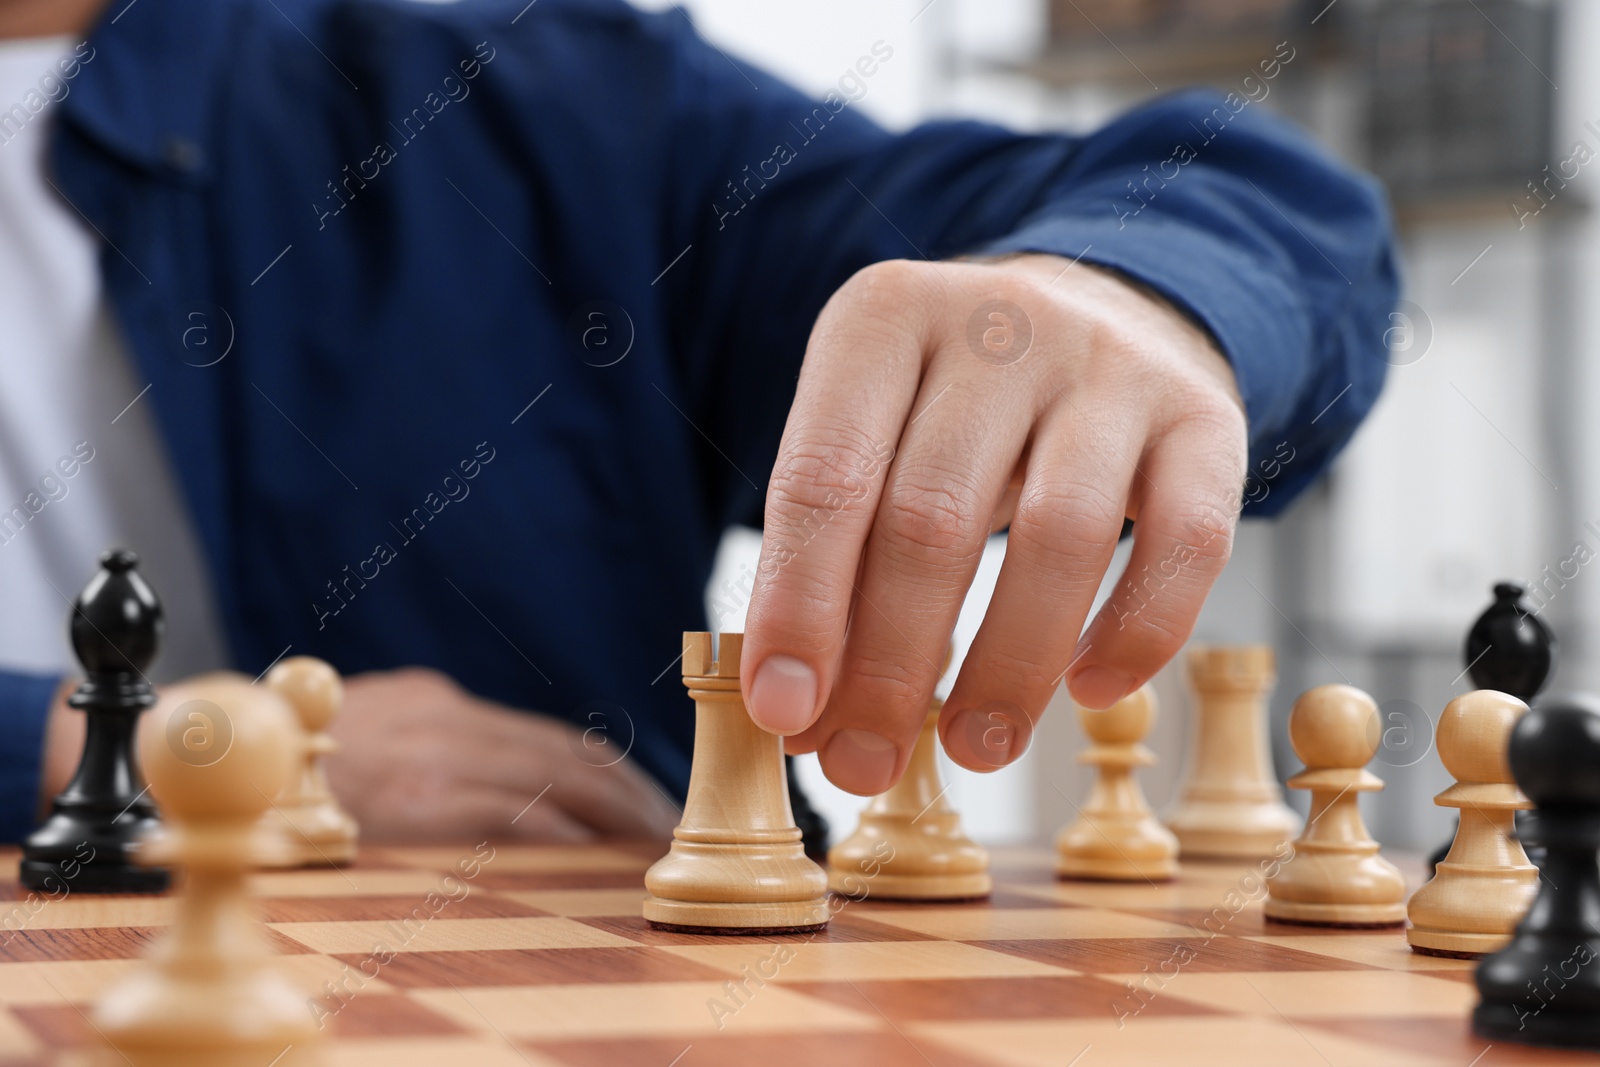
x=925, y=546
x=861, y=372
x=542, y=820
x=598, y=788
x=488, y=812
x=1182, y=540
x=1064, y=530
x=618, y=801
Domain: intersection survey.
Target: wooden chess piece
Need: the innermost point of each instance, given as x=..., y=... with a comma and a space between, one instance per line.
x=1336, y=877
x=96, y=822
x=1510, y=650
x=1483, y=886
x=1543, y=987
x=1116, y=837
x=910, y=844
x=208, y=995
x=736, y=864
x=1230, y=806
x=319, y=831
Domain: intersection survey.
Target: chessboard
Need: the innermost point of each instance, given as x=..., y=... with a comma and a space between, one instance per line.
x=500, y=956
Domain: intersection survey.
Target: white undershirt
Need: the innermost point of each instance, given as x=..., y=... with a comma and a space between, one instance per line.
x=66, y=384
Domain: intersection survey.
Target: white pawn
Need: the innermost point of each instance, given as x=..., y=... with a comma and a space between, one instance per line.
x=1336, y=877
x=319, y=832
x=1116, y=837
x=910, y=844
x=208, y=995
x=1480, y=891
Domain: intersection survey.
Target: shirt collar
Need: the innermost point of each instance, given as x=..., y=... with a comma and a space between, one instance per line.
x=148, y=80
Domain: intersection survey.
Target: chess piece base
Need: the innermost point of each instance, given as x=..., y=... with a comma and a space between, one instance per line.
x=886, y=886
x=89, y=847
x=1232, y=829
x=727, y=917
x=698, y=883
x=1445, y=953
x=898, y=856
x=319, y=836
x=1455, y=943
x=43, y=876
x=340, y=853
x=1461, y=896
x=1116, y=869
x=1374, y=891
x=1570, y=1029
x=1355, y=916
x=239, y=1019
x=1116, y=847
x=254, y=1055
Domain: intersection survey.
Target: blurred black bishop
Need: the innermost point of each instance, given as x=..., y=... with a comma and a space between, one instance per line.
x=86, y=845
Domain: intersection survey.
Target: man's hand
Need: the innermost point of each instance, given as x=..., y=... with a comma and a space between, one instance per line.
x=422, y=759
x=939, y=402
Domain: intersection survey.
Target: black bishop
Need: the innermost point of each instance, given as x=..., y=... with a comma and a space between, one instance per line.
x=86, y=844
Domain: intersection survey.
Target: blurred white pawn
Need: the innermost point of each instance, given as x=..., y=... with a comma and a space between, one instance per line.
x=208, y=995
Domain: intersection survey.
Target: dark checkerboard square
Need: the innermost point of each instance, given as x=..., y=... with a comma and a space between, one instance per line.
x=545, y=966
x=876, y=1049
x=1131, y=955
x=941, y=999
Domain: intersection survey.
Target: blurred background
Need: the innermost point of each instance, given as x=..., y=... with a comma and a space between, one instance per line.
x=1481, y=117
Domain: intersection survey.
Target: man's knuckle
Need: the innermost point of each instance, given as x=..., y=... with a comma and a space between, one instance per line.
x=1159, y=632
x=822, y=475
x=1067, y=517
x=931, y=519
x=424, y=680
x=1021, y=667
x=1203, y=535
x=889, y=287
x=1200, y=405
x=806, y=608
x=892, y=680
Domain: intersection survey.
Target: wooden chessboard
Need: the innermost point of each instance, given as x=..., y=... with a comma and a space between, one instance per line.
x=542, y=958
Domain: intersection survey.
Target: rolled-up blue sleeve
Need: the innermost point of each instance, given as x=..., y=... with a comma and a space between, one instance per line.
x=1230, y=213
x=24, y=709
x=1282, y=254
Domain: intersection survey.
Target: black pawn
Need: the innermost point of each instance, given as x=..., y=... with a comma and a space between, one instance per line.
x=1509, y=649
x=87, y=843
x=813, y=827
x=1544, y=987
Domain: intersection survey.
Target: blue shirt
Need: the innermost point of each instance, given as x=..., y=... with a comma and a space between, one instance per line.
x=516, y=296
